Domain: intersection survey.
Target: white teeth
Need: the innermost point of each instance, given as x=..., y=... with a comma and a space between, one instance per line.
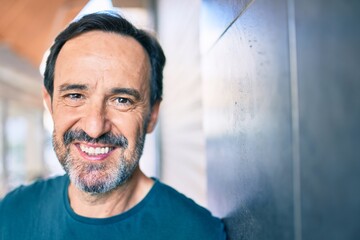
x=94, y=151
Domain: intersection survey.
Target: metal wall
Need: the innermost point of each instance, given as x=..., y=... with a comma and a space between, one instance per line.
x=281, y=112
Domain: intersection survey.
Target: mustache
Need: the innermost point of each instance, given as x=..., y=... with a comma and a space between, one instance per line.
x=107, y=138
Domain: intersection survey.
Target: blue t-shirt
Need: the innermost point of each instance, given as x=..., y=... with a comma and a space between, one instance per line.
x=42, y=211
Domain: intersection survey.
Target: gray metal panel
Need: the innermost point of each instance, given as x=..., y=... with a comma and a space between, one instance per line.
x=257, y=110
x=328, y=38
x=218, y=15
x=248, y=125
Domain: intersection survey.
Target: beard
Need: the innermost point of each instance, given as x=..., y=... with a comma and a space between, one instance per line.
x=98, y=177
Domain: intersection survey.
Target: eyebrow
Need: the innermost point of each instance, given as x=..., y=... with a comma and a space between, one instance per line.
x=67, y=87
x=128, y=91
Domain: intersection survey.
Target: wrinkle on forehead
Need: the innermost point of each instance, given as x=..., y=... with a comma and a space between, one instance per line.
x=106, y=50
x=105, y=61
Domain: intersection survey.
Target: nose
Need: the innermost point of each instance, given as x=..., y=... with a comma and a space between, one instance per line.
x=95, y=120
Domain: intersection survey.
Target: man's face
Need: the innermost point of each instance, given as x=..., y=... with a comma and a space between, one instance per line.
x=101, y=109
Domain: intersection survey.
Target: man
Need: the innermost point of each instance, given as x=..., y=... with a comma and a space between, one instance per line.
x=103, y=87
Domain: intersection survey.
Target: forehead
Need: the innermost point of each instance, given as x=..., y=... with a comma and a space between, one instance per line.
x=103, y=53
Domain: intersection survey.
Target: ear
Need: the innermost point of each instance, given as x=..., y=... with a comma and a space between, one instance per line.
x=153, y=117
x=47, y=99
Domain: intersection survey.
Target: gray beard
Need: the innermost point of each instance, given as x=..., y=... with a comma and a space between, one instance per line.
x=85, y=176
x=99, y=178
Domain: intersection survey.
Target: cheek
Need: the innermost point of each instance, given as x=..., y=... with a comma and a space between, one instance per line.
x=64, y=120
x=131, y=125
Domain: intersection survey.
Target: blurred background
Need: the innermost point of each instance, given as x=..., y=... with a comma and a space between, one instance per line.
x=261, y=111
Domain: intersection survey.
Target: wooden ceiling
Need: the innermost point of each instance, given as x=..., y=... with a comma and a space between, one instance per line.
x=28, y=27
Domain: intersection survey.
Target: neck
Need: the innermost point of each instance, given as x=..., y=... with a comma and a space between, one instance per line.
x=111, y=203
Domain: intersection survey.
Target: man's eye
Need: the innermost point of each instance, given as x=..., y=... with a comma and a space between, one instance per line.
x=74, y=96
x=73, y=99
x=121, y=103
x=121, y=100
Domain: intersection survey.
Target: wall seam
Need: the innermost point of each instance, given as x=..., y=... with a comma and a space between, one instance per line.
x=231, y=23
x=295, y=120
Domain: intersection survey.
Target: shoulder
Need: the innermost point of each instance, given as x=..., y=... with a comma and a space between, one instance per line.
x=184, y=212
x=176, y=200
x=24, y=195
x=26, y=206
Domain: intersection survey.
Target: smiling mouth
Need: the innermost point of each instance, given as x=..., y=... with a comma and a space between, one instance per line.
x=95, y=151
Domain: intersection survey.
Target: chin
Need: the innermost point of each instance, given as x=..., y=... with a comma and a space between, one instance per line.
x=99, y=178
